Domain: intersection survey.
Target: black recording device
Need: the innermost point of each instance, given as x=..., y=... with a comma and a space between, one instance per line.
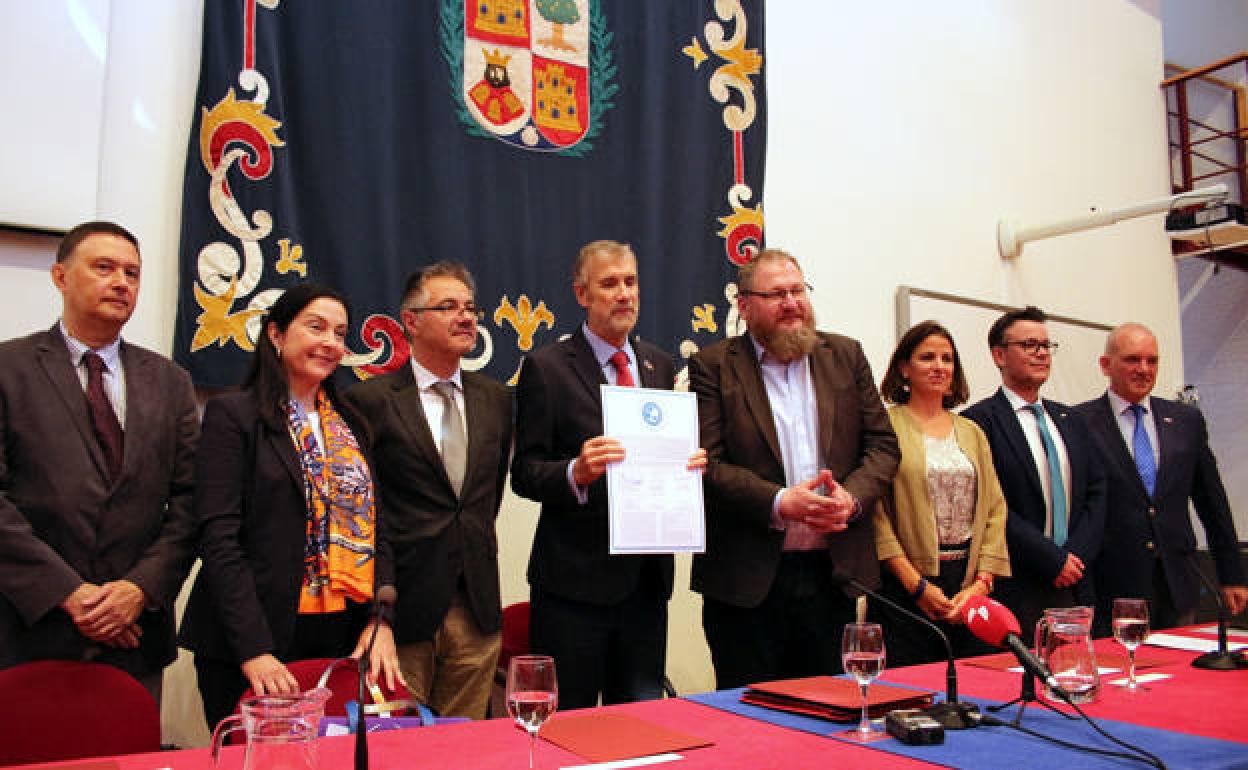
x=913, y=727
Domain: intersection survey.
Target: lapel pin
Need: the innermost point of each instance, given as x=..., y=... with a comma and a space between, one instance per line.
x=649, y=366
x=1167, y=419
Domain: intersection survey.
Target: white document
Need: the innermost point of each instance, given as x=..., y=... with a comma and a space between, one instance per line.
x=1191, y=644
x=653, y=501
x=654, y=759
x=1238, y=634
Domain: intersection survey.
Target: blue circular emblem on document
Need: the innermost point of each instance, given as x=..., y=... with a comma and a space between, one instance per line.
x=652, y=414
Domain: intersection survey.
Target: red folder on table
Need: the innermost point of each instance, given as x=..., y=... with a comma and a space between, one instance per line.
x=602, y=737
x=830, y=697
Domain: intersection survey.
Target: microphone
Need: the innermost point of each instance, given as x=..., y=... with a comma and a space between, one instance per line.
x=1222, y=659
x=383, y=603
x=951, y=714
x=993, y=623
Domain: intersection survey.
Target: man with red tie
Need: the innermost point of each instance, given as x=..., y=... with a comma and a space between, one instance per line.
x=602, y=617
x=97, y=438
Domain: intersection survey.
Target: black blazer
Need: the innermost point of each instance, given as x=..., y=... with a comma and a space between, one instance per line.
x=558, y=408
x=62, y=521
x=250, y=505
x=1141, y=528
x=438, y=538
x=746, y=469
x=1032, y=555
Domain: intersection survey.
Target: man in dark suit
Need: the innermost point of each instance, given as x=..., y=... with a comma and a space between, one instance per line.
x=1156, y=456
x=602, y=617
x=97, y=441
x=1052, y=479
x=799, y=448
x=441, y=445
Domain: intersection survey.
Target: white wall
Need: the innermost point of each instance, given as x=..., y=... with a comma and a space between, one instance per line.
x=899, y=134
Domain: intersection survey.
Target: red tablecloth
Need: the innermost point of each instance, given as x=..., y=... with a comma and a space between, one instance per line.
x=499, y=745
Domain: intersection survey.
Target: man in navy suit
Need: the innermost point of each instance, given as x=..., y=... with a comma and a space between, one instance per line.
x=1157, y=458
x=603, y=617
x=1052, y=478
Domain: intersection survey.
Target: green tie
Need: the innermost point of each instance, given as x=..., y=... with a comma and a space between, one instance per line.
x=1057, y=490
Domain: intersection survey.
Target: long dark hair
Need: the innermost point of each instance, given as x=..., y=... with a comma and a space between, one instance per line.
x=895, y=390
x=267, y=377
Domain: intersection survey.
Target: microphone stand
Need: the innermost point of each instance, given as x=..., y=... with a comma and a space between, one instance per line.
x=361, y=726
x=1222, y=659
x=1026, y=695
x=384, y=600
x=951, y=714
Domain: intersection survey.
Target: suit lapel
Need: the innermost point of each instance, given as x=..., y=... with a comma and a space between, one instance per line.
x=54, y=360
x=745, y=368
x=476, y=415
x=1007, y=423
x=822, y=372
x=647, y=369
x=582, y=361
x=142, y=402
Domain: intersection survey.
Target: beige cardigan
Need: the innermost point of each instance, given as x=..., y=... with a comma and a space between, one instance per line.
x=904, y=522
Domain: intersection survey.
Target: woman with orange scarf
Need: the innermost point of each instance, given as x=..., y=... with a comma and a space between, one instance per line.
x=288, y=528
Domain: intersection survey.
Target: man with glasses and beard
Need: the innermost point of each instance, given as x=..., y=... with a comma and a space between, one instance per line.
x=799, y=449
x=1053, y=483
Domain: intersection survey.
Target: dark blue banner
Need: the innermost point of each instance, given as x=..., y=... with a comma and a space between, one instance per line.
x=350, y=143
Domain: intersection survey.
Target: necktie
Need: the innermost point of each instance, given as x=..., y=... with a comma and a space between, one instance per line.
x=623, y=375
x=103, y=418
x=454, y=442
x=1057, y=490
x=1142, y=448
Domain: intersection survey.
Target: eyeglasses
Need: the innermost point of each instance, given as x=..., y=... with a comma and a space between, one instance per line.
x=778, y=295
x=450, y=308
x=1031, y=347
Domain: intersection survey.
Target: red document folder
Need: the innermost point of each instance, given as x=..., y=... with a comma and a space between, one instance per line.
x=607, y=736
x=830, y=697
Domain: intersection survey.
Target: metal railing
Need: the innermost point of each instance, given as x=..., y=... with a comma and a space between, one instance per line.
x=1212, y=144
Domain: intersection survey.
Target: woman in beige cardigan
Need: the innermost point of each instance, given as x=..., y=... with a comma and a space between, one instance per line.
x=940, y=533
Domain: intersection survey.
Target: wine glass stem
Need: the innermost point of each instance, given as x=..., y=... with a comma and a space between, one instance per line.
x=1131, y=669
x=864, y=724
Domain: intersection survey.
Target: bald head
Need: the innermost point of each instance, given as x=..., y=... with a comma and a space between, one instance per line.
x=1130, y=361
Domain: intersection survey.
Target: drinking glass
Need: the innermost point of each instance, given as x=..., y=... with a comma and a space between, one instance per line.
x=1131, y=629
x=532, y=694
x=862, y=653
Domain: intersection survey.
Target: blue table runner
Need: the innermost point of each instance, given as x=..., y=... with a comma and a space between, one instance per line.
x=993, y=748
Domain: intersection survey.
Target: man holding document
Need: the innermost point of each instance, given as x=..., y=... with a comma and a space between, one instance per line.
x=800, y=447
x=603, y=617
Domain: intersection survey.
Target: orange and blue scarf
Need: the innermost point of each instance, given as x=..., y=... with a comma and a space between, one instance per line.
x=341, y=537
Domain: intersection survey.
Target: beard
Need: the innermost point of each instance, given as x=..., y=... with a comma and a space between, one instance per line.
x=791, y=344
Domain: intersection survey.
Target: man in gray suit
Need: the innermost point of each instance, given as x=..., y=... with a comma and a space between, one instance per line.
x=441, y=446
x=97, y=438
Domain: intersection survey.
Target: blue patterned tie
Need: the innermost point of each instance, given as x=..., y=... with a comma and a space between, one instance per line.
x=1142, y=448
x=1057, y=490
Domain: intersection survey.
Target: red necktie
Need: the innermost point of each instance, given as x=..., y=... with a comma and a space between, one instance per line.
x=623, y=377
x=103, y=418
